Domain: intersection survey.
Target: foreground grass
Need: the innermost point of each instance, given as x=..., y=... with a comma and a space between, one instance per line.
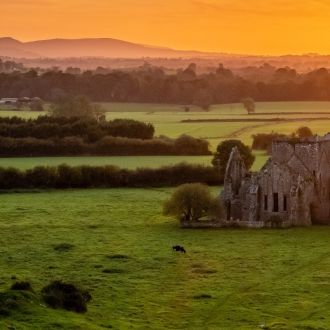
x=229, y=279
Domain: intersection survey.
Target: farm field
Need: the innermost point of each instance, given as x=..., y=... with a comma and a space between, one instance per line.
x=167, y=119
x=121, y=252
x=315, y=115
x=128, y=162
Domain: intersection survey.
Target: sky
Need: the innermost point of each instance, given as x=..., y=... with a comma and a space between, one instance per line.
x=231, y=26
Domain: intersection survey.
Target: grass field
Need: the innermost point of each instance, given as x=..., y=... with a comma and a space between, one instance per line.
x=129, y=162
x=167, y=119
x=229, y=279
x=170, y=122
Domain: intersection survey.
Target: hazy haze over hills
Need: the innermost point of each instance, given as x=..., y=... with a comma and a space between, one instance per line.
x=89, y=53
x=105, y=47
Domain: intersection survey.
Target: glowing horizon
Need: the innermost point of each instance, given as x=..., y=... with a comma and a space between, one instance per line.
x=230, y=26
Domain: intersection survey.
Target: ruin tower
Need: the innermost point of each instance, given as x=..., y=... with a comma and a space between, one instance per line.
x=235, y=174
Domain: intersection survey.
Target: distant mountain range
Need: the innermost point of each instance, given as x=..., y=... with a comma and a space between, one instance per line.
x=90, y=53
x=105, y=47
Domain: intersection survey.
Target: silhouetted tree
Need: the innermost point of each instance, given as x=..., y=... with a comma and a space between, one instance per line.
x=77, y=106
x=304, y=132
x=249, y=105
x=224, y=149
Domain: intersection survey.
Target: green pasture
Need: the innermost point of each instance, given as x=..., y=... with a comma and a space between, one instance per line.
x=228, y=109
x=128, y=162
x=229, y=279
x=170, y=123
x=27, y=114
x=167, y=119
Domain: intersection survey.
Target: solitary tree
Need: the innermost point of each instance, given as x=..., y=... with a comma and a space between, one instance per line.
x=304, y=132
x=77, y=106
x=190, y=202
x=224, y=149
x=249, y=105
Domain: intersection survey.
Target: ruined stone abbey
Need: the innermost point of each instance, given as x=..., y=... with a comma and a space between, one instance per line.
x=292, y=189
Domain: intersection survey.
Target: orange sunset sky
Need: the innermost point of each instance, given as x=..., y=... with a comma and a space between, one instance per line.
x=239, y=26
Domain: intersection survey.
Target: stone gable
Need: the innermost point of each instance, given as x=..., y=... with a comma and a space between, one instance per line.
x=292, y=189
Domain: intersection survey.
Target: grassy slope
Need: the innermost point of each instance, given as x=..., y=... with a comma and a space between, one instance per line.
x=275, y=277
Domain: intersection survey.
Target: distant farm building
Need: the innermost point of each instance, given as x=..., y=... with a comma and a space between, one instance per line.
x=18, y=102
x=9, y=101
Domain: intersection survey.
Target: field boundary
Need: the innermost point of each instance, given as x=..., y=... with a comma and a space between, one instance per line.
x=250, y=120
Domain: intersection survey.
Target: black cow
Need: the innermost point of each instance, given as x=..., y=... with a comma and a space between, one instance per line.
x=178, y=248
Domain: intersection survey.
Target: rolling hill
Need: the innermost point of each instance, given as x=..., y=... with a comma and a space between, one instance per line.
x=105, y=47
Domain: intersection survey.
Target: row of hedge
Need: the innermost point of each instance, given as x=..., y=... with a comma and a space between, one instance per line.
x=263, y=141
x=91, y=130
x=64, y=176
x=108, y=146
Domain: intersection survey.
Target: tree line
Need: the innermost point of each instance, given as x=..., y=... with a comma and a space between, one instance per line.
x=154, y=85
x=107, y=146
x=60, y=136
x=88, y=128
x=264, y=141
x=64, y=176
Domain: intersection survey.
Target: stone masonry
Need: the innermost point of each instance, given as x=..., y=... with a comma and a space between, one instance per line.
x=292, y=188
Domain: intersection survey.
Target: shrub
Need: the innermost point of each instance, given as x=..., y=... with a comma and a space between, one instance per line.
x=66, y=296
x=189, y=202
x=187, y=145
x=79, y=106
